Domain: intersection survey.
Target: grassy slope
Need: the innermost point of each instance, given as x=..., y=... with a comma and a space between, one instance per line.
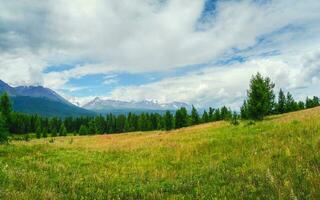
x=276, y=158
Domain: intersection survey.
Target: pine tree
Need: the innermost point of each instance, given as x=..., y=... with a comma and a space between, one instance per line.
x=3, y=131
x=100, y=124
x=211, y=111
x=244, y=112
x=281, y=107
x=44, y=132
x=92, y=127
x=234, y=119
x=194, y=116
x=54, y=132
x=217, y=115
x=38, y=128
x=83, y=130
x=62, y=130
x=225, y=113
x=260, y=97
x=181, y=118
x=290, y=103
x=301, y=105
x=205, y=117
x=168, y=121
x=315, y=101
x=6, y=108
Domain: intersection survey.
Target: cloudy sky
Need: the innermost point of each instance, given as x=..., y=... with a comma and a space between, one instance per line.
x=202, y=52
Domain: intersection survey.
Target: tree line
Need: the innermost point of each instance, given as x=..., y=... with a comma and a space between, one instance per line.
x=261, y=100
x=19, y=123
x=259, y=103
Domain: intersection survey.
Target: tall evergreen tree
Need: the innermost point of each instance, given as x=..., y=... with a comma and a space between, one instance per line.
x=301, y=105
x=260, y=97
x=45, y=132
x=3, y=130
x=315, y=101
x=194, y=116
x=205, y=117
x=83, y=130
x=211, y=111
x=99, y=124
x=235, y=119
x=290, y=103
x=6, y=108
x=244, y=112
x=168, y=121
x=92, y=127
x=181, y=118
x=225, y=113
x=62, y=130
x=38, y=128
x=217, y=115
x=281, y=106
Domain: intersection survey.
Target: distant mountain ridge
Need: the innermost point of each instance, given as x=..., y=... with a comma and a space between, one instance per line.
x=32, y=91
x=99, y=104
x=42, y=101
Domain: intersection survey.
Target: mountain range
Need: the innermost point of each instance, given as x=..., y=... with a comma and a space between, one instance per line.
x=46, y=102
x=115, y=106
x=42, y=101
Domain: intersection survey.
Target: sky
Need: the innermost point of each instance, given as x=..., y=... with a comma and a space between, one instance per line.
x=201, y=52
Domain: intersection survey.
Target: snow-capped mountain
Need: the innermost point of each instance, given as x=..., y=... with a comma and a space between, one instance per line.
x=39, y=91
x=99, y=104
x=32, y=91
x=41, y=100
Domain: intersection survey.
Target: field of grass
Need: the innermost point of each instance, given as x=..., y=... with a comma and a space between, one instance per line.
x=278, y=158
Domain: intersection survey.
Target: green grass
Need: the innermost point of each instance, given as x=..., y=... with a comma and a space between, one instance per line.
x=274, y=159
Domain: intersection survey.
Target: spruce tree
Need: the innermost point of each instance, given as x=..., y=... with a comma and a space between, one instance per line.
x=281, y=107
x=83, y=130
x=92, y=127
x=205, y=117
x=309, y=103
x=6, y=108
x=62, y=130
x=181, y=118
x=225, y=113
x=260, y=97
x=315, y=101
x=211, y=111
x=3, y=131
x=301, y=105
x=168, y=121
x=217, y=115
x=54, y=132
x=244, y=112
x=38, y=128
x=44, y=132
x=235, y=119
x=194, y=116
x=290, y=103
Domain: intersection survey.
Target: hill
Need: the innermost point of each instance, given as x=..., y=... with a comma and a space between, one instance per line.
x=46, y=107
x=42, y=101
x=277, y=158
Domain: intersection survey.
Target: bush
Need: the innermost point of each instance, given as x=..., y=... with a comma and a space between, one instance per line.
x=3, y=132
x=251, y=123
x=27, y=137
x=235, y=119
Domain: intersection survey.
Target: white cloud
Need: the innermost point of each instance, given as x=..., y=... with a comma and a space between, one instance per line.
x=146, y=35
x=216, y=86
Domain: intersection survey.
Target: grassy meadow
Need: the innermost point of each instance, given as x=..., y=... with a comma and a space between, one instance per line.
x=278, y=158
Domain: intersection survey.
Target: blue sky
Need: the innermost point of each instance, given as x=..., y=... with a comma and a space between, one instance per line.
x=199, y=52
